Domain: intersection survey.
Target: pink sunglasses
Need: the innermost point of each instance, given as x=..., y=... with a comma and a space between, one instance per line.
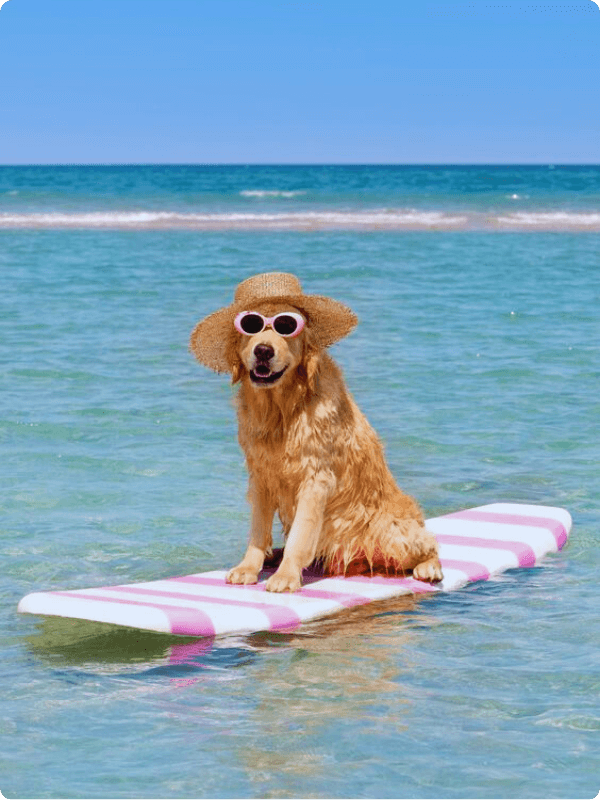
x=285, y=324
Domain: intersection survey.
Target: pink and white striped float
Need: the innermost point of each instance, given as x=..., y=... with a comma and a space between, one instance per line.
x=474, y=545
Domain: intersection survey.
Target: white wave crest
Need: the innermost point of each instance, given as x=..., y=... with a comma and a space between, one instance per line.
x=270, y=193
x=375, y=218
x=552, y=219
x=350, y=219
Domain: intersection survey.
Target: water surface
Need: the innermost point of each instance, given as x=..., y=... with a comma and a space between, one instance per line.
x=476, y=359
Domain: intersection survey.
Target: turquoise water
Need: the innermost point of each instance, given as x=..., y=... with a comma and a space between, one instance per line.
x=476, y=359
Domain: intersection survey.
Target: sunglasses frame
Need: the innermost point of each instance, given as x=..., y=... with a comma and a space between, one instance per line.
x=270, y=322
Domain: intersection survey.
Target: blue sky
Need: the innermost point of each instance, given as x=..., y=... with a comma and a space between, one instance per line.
x=290, y=81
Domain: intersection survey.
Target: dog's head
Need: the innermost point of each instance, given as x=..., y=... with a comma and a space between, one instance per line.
x=224, y=343
x=270, y=359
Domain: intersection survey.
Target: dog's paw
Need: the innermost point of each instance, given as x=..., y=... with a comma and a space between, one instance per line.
x=429, y=571
x=284, y=581
x=241, y=574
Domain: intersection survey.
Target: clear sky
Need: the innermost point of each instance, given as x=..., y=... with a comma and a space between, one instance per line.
x=299, y=81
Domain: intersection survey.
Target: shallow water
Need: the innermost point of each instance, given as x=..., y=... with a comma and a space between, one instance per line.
x=476, y=359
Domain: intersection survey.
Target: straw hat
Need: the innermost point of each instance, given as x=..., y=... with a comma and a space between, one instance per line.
x=327, y=319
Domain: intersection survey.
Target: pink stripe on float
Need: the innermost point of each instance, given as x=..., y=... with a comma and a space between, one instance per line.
x=201, y=580
x=416, y=587
x=183, y=621
x=280, y=617
x=473, y=570
x=420, y=587
x=343, y=598
x=556, y=528
x=524, y=553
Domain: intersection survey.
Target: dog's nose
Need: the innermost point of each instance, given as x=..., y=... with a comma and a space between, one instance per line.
x=264, y=352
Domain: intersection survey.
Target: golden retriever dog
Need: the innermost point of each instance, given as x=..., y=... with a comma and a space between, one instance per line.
x=312, y=457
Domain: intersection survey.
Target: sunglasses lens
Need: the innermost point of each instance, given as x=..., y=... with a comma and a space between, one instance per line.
x=285, y=325
x=251, y=323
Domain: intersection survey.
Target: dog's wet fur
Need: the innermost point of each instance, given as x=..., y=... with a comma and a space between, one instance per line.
x=314, y=460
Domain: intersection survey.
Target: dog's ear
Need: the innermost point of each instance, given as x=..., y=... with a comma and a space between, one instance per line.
x=237, y=371
x=311, y=363
x=312, y=369
x=233, y=360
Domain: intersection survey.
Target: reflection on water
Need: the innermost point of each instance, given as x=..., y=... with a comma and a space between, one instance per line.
x=294, y=696
x=77, y=642
x=342, y=679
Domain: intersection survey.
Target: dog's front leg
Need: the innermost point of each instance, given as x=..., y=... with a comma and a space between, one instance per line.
x=261, y=527
x=304, y=534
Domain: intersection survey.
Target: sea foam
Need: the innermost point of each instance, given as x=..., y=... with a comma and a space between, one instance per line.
x=260, y=193
x=350, y=219
x=345, y=219
x=552, y=220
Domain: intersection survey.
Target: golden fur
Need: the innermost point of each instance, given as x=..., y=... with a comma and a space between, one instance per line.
x=314, y=459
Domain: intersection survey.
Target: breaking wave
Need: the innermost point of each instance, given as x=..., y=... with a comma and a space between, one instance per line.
x=365, y=219
x=260, y=193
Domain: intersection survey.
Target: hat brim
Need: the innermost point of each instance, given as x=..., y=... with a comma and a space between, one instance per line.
x=212, y=338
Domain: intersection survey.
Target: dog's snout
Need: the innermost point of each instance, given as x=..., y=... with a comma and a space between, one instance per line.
x=264, y=352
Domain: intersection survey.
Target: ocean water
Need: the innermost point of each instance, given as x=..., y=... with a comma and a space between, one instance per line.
x=477, y=361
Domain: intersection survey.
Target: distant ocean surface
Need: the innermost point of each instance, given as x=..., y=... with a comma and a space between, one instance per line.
x=477, y=360
x=525, y=198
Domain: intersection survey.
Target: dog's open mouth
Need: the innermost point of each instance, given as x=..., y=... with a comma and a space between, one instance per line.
x=263, y=376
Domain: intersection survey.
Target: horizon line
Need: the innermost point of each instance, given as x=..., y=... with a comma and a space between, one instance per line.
x=303, y=164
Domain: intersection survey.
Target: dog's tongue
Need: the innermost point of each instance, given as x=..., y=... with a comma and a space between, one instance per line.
x=262, y=370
